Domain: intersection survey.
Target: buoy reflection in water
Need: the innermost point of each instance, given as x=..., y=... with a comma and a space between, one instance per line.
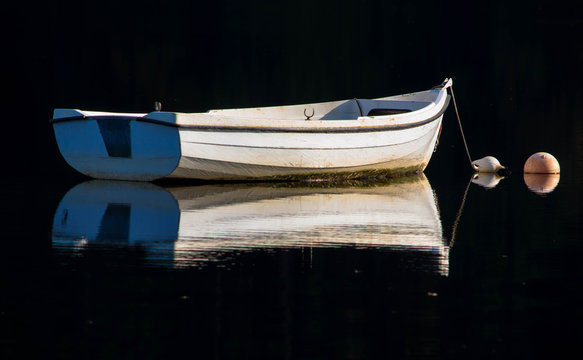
x=487, y=180
x=541, y=183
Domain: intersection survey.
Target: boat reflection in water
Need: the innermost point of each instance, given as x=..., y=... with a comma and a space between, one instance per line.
x=184, y=226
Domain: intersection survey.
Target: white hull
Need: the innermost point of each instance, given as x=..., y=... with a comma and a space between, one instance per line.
x=207, y=155
x=261, y=143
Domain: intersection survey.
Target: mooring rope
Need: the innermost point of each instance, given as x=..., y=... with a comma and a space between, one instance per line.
x=460, y=124
x=459, y=214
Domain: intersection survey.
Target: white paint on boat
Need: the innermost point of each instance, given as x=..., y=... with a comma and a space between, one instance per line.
x=395, y=134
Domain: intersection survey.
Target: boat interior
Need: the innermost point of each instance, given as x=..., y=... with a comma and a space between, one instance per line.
x=336, y=110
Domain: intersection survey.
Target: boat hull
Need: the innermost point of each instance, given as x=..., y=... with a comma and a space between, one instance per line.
x=159, y=151
x=128, y=150
x=278, y=155
x=346, y=139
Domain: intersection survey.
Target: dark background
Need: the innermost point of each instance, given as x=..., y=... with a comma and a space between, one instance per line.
x=516, y=67
x=514, y=284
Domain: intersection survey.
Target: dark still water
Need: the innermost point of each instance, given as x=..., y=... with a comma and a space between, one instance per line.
x=397, y=269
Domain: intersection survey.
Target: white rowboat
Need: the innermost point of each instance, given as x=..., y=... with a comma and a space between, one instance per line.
x=351, y=138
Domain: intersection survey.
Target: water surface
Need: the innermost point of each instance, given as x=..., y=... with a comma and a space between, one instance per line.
x=414, y=268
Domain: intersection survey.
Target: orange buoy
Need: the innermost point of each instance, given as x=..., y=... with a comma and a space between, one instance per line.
x=542, y=163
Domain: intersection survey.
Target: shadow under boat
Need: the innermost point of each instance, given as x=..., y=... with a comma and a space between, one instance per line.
x=185, y=226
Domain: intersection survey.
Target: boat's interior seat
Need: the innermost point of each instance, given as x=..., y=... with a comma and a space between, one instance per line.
x=390, y=107
x=382, y=112
x=352, y=109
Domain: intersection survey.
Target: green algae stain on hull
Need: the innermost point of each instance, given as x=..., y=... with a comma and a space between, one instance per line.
x=349, y=175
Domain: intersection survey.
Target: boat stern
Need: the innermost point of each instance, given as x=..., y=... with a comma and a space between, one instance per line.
x=116, y=145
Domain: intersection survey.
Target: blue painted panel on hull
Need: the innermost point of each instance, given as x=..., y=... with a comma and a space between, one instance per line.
x=116, y=137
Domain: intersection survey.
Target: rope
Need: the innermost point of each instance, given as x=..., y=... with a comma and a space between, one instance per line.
x=460, y=124
x=459, y=215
